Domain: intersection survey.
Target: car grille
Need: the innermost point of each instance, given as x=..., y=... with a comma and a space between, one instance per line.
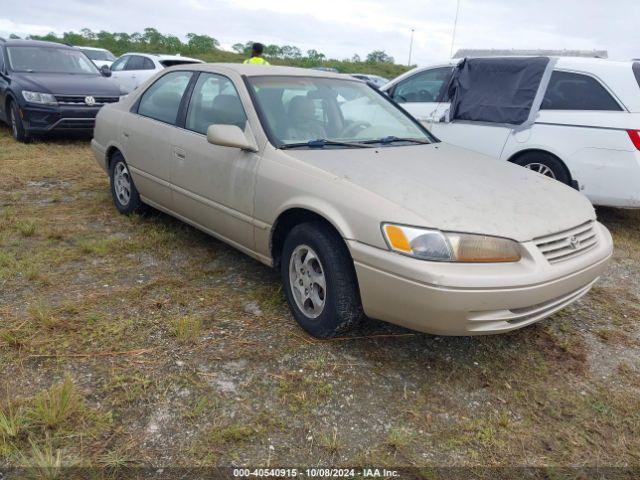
x=78, y=100
x=568, y=244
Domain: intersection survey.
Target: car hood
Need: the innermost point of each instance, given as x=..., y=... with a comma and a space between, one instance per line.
x=68, y=84
x=455, y=189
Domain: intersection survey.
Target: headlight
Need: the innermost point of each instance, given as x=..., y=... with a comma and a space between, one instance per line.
x=449, y=246
x=37, y=97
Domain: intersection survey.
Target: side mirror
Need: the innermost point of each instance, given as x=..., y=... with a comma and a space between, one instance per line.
x=229, y=136
x=105, y=70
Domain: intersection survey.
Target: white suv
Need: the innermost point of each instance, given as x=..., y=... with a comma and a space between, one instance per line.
x=133, y=69
x=586, y=134
x=99, y=56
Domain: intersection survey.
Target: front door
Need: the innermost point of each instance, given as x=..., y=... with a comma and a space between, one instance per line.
x=214, y=185
x=423, y=93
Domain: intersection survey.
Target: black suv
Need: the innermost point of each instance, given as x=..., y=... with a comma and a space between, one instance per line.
x=49, y=87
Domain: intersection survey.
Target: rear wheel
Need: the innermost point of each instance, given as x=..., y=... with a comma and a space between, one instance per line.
x=124, y=192
x=319, y=280
x=18, y=131
x=545, y=164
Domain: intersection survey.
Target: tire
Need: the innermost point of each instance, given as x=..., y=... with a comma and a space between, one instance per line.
x=124, y=192
x=332, y=266
x=545, y=164
x=18, y=131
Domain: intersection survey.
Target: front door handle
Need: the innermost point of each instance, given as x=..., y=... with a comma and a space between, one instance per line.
x=179, y=153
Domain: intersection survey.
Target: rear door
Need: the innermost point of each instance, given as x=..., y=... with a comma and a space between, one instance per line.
x=142, y=69
x=137, y=70
x=147, y=132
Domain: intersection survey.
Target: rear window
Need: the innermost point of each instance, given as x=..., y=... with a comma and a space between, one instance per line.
x=573, y=91
x=636, y=72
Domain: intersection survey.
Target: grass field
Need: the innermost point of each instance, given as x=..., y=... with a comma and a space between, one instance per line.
x=140, y=341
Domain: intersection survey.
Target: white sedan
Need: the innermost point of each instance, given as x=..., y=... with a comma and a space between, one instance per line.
x=586, y=134
x=133, y=69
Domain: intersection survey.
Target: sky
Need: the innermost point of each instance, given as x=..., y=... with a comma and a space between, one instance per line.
x=342, y=28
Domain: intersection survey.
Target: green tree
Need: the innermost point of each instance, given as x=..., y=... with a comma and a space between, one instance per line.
x=171, y=43
x=379, y=56
x=88, y=34
x=314, y=55
x=201, y=43
x=238, y=47
x=273, y=51
x=153, y=39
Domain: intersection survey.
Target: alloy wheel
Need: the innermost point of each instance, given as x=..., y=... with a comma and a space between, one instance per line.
x=14, y=124
x=307, y=280
x=542, y=169
x=122, y=184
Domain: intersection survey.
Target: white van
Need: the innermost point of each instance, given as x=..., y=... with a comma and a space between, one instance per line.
x=587, y=131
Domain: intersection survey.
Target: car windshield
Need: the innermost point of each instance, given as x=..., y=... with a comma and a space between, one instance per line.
x=297, y=110
x=49, y=60
x=100, y=55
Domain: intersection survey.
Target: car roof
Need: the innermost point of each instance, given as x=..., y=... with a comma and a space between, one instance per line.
x=162, y=56
x=252, y=70
x=33, y=43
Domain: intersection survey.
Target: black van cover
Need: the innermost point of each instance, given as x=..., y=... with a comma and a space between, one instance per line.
x=503, y=90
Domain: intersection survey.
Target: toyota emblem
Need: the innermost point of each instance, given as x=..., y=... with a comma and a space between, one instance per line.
x=574, y=242
x=90, y=101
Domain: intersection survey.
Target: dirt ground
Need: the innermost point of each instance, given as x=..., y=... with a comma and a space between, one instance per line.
x=141, y=341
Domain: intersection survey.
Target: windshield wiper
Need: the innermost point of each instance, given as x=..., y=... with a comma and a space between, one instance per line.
x=393, y=139
x=322, y=142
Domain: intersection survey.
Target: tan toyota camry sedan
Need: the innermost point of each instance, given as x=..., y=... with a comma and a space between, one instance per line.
x=363, y=211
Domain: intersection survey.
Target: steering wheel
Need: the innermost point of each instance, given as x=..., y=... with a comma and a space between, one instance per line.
x=355, y=128
x=425, y=96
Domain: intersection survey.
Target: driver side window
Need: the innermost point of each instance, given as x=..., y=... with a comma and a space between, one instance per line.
x=425, y=86
x=214, y=101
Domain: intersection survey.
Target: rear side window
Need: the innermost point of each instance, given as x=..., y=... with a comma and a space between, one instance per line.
x=573, y=91
x=214, y=101
x=162, y=100
x=147, y=64
x=1, y=60
x=426, y=86
x=137, y=62
x=636, y=72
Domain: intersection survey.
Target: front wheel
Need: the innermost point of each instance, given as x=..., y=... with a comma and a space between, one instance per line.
x=319, y=280
x=18, y=131
x=546, y=165
x=124, y=192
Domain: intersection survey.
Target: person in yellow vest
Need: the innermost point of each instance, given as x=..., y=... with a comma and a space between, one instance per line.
x=256, y=55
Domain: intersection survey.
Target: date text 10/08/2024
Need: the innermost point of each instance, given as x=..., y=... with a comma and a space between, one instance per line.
x=315, y=472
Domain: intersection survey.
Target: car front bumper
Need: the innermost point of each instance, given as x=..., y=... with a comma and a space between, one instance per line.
x=473, y=299
x=42, y=120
